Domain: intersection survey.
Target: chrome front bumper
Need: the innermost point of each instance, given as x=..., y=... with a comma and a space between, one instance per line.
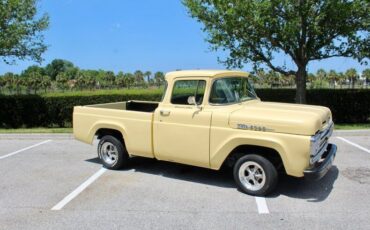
x=323, y=165
x=319, y=144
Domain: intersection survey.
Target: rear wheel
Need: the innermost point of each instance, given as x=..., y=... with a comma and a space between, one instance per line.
x=112, y=152
x=255, y=175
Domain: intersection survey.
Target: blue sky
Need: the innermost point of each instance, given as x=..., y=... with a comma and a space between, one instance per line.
x=128, y=35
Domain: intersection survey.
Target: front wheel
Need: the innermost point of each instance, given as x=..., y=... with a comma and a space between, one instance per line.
x=255, y=175
x=112, y=152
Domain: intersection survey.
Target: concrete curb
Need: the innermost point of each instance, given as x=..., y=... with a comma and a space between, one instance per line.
x=22, y=136
x=359, y=132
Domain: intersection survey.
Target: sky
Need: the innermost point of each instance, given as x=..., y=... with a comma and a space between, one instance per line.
x=127, y=35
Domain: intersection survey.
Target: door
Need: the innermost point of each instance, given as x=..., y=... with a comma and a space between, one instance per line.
x=180, y=130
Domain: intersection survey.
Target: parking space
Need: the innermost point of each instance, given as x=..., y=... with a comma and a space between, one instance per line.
x=159, y=195
x=14, y=146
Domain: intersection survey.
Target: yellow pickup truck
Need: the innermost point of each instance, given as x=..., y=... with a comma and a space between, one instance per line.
x=210, y=118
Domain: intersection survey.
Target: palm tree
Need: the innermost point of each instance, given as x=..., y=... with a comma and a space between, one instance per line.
x=109, y=79
x=352, y=75
x=311, y=79
x=129, y=79
x=148, y=74
x=62, y=81
x=45, y=82
x=18, y=82
x=321, y=75
x=333, y=77
x=273, y=78
x=341, y=79
x=262, y=77
x=9, y=82
x=120, y=80
x=159, y=78
x=2, y=83
x=139, y=77
x=34, y=81
x=366, y=76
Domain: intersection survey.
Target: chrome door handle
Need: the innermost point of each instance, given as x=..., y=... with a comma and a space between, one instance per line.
x=165, y=113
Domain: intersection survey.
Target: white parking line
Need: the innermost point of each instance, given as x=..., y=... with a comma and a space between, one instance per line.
x=79, y=189
x=354, y=144
x=262, y=205
x=24, y=149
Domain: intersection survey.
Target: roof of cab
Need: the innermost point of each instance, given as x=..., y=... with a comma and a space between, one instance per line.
x=204, y=73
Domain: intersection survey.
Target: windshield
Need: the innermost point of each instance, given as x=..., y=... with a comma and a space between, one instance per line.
x=231, y=90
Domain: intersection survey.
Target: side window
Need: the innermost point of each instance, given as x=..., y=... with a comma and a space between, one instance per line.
x=183, y=89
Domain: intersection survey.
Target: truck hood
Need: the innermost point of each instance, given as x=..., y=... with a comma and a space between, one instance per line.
x=281, y=117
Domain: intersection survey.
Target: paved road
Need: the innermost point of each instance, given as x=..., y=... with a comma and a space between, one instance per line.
x=55, y=182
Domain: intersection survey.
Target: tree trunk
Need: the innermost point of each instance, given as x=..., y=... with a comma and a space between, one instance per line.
x=301, y=76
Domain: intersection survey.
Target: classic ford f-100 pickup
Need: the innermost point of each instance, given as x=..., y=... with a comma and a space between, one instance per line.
x=209, y=119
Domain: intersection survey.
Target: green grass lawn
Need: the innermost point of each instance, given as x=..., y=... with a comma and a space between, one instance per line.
x=352, y=126
x=69, y=130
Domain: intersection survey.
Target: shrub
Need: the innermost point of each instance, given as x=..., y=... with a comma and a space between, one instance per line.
x=50, y=110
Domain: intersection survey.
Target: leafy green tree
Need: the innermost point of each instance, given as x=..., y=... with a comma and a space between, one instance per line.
x=304, y=30
x=159, y=78
x=352, y=76
x=32, y=78
x=33, y=69
x=21, y=31
x=62, y=81
x=58, y=66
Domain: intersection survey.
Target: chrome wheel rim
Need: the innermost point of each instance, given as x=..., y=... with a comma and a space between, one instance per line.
x=252, y=176
x=109, y=153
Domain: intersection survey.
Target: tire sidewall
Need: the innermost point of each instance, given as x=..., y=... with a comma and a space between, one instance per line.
x=122, y=155
x=268, y=168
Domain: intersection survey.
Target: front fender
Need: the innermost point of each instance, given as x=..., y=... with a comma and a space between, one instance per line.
x=293, y=149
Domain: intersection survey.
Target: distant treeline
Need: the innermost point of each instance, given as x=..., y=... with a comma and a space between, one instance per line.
x=62, y=75
x=321, y=79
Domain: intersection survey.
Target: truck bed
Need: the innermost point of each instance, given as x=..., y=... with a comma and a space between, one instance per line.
x=131, y=117
x=139, y=106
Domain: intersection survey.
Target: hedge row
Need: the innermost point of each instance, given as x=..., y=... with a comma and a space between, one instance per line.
x=348, y=106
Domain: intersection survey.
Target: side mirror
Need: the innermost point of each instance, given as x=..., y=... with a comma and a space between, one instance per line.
x=191, y=100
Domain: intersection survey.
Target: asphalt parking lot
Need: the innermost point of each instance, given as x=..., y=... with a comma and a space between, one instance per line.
x=55, y=182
